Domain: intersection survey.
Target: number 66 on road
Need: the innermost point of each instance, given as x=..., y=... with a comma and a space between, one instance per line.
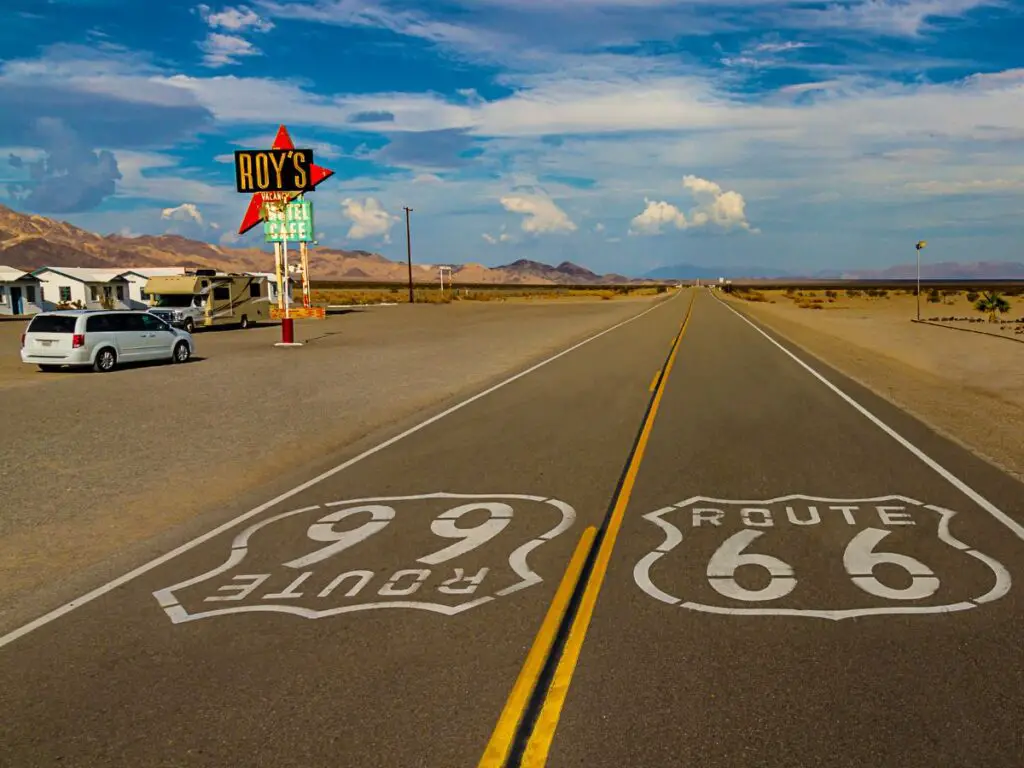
x=734, y=538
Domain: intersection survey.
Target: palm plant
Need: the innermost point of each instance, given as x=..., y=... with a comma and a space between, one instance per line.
x=993, y=303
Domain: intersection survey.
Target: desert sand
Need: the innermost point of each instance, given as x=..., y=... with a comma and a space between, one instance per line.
x=967, y=386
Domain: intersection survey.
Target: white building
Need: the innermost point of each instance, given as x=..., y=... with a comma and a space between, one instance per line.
x=69, y=287
x=20, y=292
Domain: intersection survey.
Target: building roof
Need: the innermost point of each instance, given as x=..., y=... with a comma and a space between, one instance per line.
x=83, y=274
x=155, y=271
x=10, y=274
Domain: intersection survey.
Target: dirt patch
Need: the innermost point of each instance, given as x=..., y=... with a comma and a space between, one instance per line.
x=967, y=386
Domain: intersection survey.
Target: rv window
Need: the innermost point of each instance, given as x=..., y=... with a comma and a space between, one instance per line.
x=199, y=300
x=174, y=300
x=254, y=290
x=221, y=293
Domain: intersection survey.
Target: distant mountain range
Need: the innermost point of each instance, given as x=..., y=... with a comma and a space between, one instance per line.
x=946, y=270
x=29, y=242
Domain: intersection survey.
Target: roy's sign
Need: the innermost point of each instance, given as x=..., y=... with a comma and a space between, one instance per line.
x=274, y=170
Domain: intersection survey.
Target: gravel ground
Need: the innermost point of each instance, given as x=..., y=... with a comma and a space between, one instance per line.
x=966, y=386
x=93, y=463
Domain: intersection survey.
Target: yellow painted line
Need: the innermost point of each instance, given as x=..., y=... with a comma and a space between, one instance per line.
x=504, y=732
x=539, y=745
x=654, y=381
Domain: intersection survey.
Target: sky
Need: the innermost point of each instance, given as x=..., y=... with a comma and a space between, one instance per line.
x=622, y=135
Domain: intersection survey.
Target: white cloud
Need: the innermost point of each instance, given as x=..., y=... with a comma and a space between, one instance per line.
x=369, y=219
x=715, y=207
x=502, y=237
x=427, y=178
x=541, y=212
x=599, y=227
x=656, y=216
x=183, y=212
x=220, y=50
x=235, y=19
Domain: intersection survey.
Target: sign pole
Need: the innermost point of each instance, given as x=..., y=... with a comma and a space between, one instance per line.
x=277, y=274
x=306, y=299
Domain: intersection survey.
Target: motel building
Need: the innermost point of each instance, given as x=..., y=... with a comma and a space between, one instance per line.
x=20, y=292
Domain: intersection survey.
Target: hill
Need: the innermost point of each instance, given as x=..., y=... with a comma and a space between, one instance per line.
x=29, y=242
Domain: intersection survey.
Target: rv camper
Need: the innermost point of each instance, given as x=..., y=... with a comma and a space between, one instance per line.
x=204, y=297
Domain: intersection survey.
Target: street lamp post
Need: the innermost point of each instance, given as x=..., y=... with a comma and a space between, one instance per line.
x=920, y=246
x=408, y=252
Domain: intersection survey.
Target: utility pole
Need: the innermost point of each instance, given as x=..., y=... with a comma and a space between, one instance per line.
x=920, y=246
x=408, y=252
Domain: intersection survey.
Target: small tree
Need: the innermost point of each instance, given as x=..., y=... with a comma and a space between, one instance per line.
x=993, y=303
x=972, y=296
x=933, y=296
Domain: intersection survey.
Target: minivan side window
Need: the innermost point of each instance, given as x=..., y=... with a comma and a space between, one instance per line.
x=153, y=323
x=98, y=324
x=131, y=322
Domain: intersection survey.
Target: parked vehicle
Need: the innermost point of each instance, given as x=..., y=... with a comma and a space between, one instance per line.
x=208, y=298
x=102, y=339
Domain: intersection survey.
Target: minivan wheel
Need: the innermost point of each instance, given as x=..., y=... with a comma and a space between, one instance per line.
x=181, y=352
x=190, y=325
x=244, y=322
x=106, y=360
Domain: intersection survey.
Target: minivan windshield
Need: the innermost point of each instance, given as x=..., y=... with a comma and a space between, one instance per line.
x=174, y=300
x=53, y=324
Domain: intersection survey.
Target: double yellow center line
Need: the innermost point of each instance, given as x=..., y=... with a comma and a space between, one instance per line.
x=525, y=689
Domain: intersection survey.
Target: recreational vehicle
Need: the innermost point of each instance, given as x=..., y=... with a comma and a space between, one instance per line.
x=204, y=298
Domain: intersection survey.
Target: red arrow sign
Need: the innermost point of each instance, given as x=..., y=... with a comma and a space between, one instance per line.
x=254, y=213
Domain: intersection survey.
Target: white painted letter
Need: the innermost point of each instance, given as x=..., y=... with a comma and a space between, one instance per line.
x=707, y=515
x=323, y=530
x=389, y=589
x=472, y=582
x=729, y=557
x=470, y=538
x=244, y=590
x=362, y=579
x=860, y=559
x=765, y=520
x=289, y=591
x=895, y=516
x=814, y=520
x=847, y=513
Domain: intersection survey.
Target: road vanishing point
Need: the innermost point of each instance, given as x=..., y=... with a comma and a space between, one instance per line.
x=681, y=542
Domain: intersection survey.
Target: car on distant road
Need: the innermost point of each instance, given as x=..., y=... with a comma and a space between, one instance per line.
x=102, y=339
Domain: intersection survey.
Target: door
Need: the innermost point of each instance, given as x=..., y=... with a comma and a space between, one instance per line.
x=157, y=338
x=16, y=306
x=129, y=333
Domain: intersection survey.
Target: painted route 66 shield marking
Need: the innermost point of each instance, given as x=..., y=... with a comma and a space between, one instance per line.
x=811, y=556
x=421, y=552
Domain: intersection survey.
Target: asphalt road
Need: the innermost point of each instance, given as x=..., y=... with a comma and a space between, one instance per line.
x=776, y=580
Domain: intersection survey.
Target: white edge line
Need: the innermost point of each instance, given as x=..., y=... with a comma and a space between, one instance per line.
x=88, y=597
x=948, y=476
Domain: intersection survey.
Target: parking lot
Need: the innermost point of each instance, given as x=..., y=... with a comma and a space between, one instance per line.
x=100, y=470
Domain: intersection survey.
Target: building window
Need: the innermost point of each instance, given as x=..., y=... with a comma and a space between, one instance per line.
x=120, y=293
x=108, y=291
x=30, y=294
x=65, y=293
x=3, y=295
x=145, y=296
x=94, y=292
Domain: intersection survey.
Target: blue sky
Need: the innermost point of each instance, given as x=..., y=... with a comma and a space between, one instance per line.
x=622, y=135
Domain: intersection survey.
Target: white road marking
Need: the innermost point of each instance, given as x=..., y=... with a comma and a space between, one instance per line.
x=948, y=476
x=860, y=556
x=322, y=530
x=88, y=597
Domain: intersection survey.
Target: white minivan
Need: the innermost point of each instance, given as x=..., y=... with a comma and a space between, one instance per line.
x=102, y=339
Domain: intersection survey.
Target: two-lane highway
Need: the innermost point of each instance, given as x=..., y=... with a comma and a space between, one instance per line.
x=680, y=543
